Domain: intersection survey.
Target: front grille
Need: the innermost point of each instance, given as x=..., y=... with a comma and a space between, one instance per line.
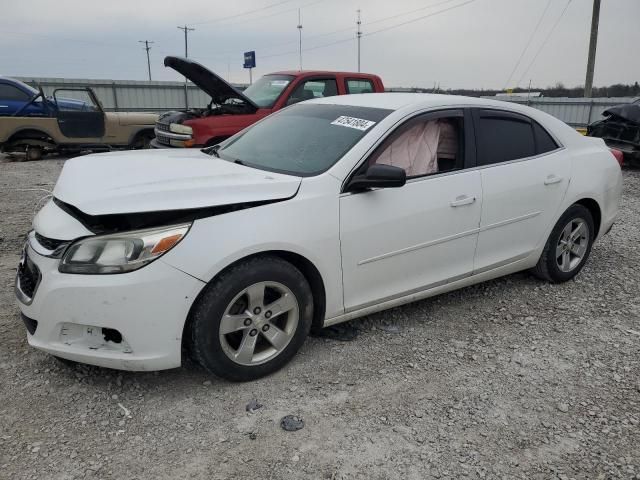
x=163, y=127
x=28, y=277
x=163, y=139
x=49, y=243
x=30, y=323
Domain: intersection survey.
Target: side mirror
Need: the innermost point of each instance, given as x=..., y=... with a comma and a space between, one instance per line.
x=379, y=176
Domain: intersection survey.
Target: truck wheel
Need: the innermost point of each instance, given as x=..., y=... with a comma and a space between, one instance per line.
x=251, y=320
x=33, y=153
x=142, y=141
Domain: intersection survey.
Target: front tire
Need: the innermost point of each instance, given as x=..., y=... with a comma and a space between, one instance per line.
x=251, y=320
x=568, y=246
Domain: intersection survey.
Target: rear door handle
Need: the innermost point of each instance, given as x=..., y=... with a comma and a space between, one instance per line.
x=462, y=200
x=551, y=179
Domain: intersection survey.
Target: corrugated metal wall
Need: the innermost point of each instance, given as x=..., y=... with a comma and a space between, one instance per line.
x=577, y=112
x=145, y=96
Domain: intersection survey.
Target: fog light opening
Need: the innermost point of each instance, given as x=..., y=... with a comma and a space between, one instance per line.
x=111, y=335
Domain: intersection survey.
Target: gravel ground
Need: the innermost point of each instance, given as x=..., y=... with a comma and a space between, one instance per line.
x=514, y=378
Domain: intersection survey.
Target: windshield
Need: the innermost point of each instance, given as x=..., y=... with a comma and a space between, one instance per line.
x=266, y=90
x=303, y=139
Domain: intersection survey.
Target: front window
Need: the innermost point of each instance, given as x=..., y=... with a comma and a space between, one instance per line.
x=303, y=139
x=266, y=90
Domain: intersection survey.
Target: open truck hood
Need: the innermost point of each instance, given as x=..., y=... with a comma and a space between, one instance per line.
x=219, y=90
x=164, y=180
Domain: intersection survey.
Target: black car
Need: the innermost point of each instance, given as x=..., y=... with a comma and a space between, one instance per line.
x=620, y=130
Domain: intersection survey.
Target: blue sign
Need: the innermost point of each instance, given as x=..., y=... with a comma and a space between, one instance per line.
x=249, y=59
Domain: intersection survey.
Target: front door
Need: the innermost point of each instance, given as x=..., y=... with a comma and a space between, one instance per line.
x=79, y=113
x=396, y=241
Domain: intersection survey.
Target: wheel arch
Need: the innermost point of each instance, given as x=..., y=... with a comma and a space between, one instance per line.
x=31, y=133
x=139, y=132
x=306, y=267
x=595, y=210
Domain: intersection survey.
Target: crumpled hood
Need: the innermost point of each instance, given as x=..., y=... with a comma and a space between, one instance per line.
x=161, y=180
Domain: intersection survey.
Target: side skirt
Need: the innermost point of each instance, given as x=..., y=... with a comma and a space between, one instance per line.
x=432, y=291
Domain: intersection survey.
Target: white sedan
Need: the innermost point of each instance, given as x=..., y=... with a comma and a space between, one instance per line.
x=326, y=211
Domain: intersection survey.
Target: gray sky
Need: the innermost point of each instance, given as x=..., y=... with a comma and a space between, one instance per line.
x=474, y=45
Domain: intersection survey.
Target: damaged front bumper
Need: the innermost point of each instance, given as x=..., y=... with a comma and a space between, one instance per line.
x=130, y=321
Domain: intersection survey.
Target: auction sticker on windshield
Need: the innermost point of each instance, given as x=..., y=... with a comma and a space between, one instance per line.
x=352, y=122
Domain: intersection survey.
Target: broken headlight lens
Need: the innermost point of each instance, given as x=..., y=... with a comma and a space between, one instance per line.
x=120, y=252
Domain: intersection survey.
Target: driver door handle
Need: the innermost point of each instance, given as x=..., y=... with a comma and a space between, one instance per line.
x=462, y=200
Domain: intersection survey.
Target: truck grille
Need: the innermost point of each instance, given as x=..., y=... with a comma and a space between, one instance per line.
x=163, y=127
x=163, y=139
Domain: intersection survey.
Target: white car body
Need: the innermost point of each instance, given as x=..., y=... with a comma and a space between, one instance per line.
x=368, y=251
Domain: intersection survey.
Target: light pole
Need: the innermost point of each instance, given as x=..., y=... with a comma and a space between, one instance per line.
x=186, y=54
x=300, y=37
x=593, y=41
x=147, y=48
x=358, y=34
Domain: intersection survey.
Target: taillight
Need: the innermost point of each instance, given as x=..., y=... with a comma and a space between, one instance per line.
x=618, y=154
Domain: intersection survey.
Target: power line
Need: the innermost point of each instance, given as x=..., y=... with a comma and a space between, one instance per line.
x=544, y=42
x=349, y=29
x=350, y=39
x=535, y=30
x=247, y=12
x=147, y=48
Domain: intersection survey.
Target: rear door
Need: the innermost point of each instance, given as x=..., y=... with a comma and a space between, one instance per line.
x=79, y=113
x=525, y=174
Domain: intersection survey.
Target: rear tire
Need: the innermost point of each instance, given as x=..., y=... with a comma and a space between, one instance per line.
x=568, y=246
x=251, y=320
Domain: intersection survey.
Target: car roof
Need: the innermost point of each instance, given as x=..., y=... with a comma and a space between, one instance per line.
x=407, y=103
x=299, y=73
x=398, y=101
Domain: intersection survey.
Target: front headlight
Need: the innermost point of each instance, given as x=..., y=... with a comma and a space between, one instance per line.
x=179, y=128
x=120, y=252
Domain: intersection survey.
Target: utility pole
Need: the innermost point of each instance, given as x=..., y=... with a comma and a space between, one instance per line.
x=186, y=54
x=300, y=37
x=593, y=41
x=147, y=48
x=358, y=34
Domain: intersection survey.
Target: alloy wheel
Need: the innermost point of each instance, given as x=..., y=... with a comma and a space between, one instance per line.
x=572, y=245
x=259, y=323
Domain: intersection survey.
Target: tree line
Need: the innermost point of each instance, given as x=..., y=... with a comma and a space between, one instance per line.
x=558, y=90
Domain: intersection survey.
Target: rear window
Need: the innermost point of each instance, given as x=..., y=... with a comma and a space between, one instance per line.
x=544, y=142
x=500, y=139
x=359, y=85
x=303, y=139
x=9, y=92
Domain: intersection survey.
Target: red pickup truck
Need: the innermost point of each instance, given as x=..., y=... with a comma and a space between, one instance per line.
x=230, y=110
